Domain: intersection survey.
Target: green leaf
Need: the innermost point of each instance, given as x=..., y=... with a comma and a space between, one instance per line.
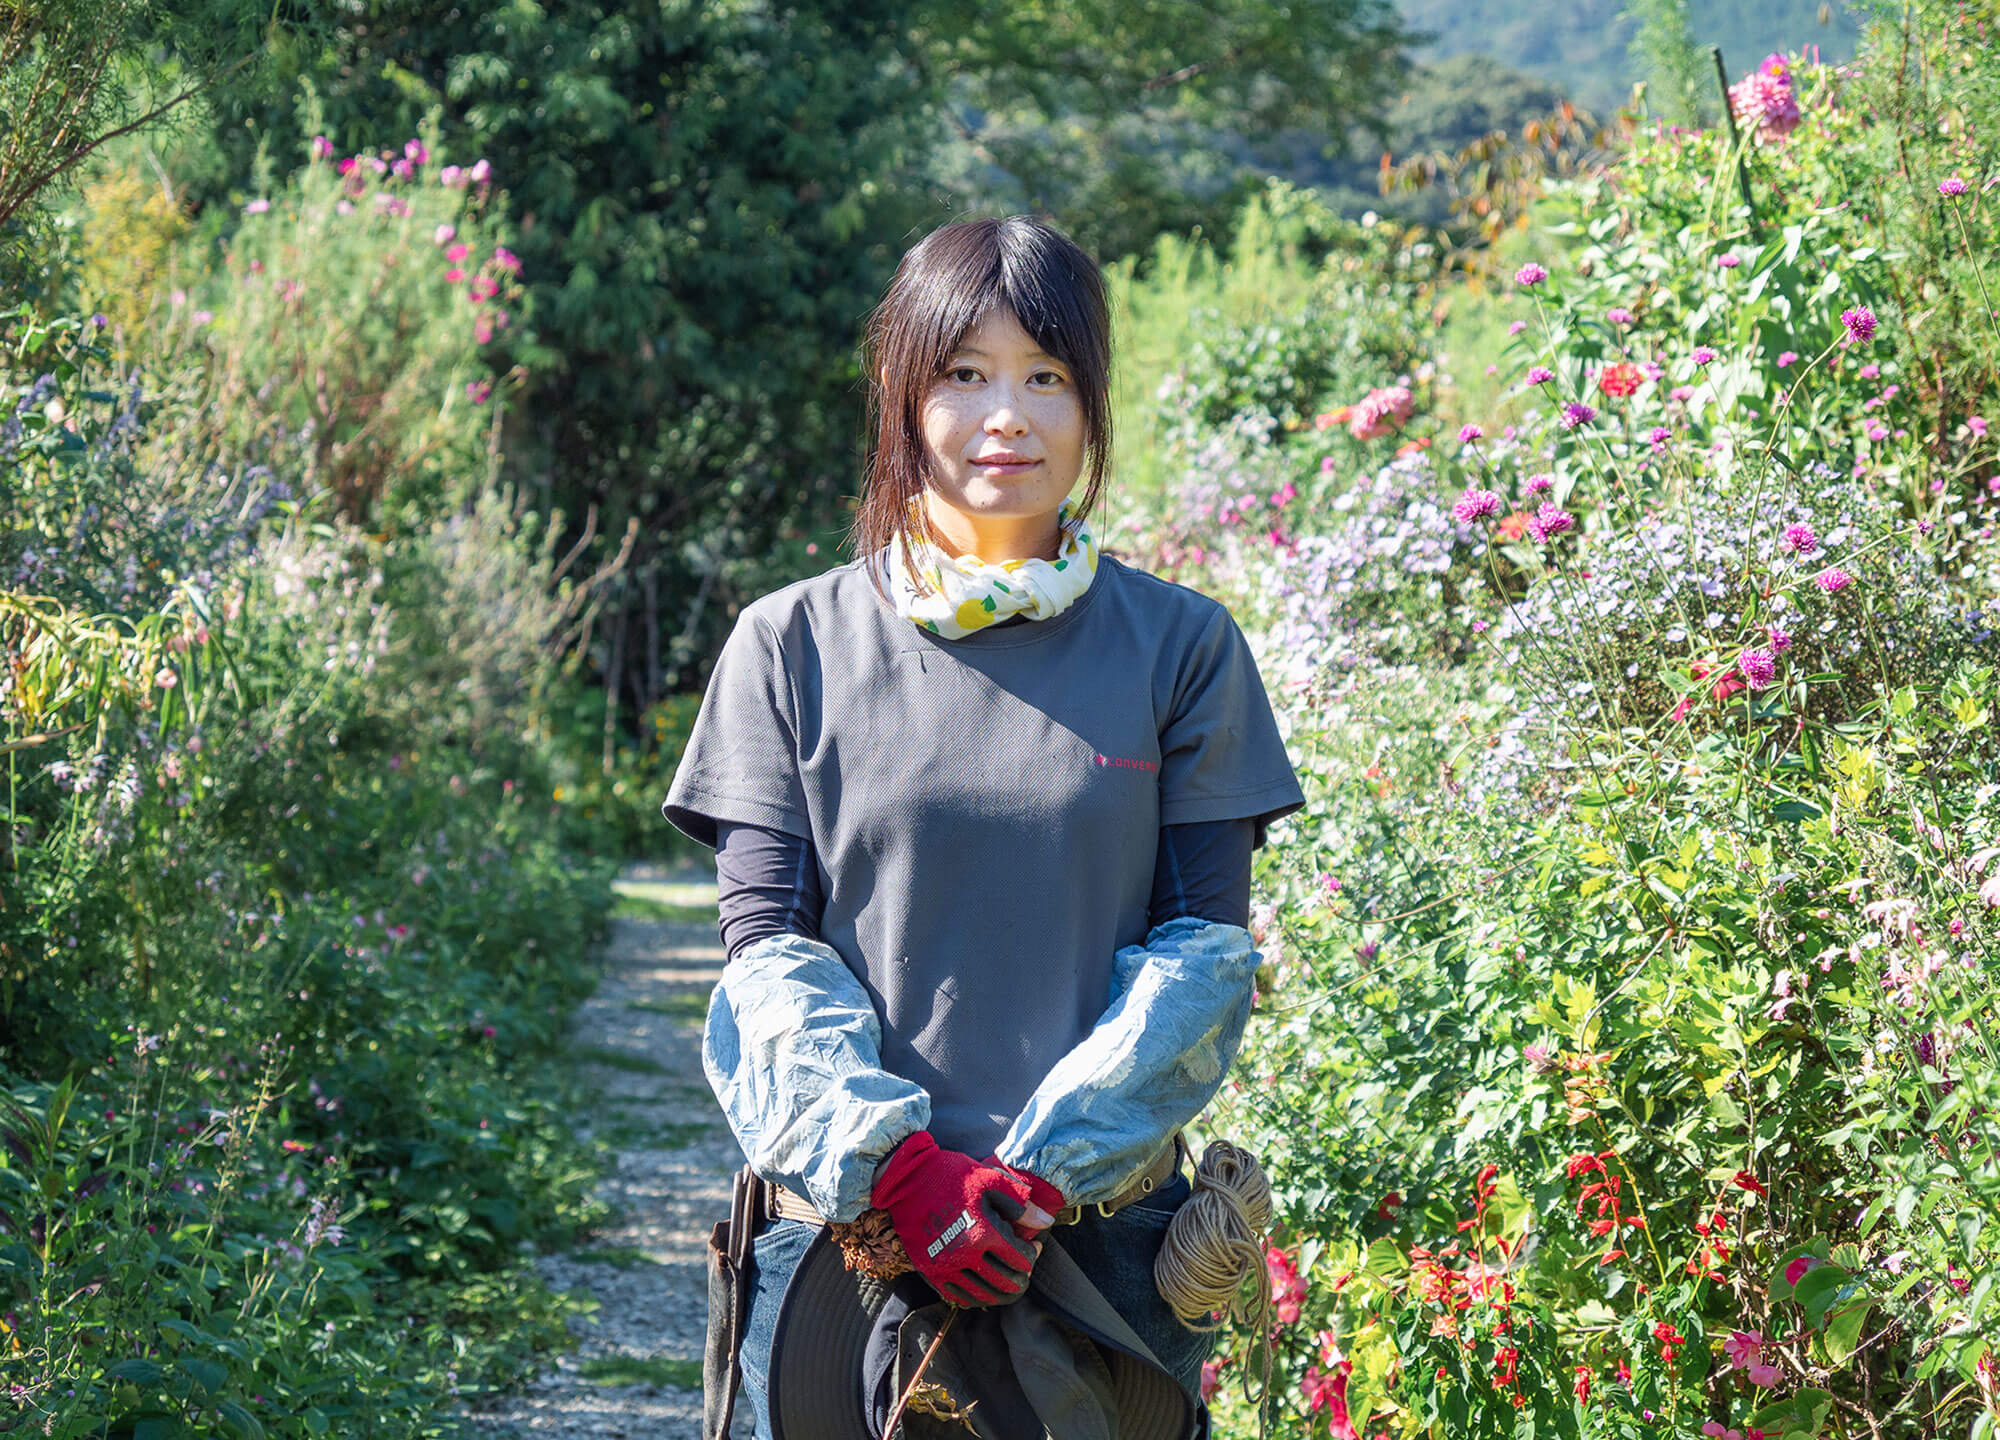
x=1818, y=1288
x=139, y=1372
x=207, y=1374
x=239, y=1420
x=1843, y=1332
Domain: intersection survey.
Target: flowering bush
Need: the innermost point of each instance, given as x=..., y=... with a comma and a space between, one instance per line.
x=288, y=924
x=1622, y=1054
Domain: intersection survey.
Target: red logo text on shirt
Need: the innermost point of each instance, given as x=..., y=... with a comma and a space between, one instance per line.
x=1121, y=763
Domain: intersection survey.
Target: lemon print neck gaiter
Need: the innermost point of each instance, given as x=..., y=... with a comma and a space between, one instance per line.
x=969, y=594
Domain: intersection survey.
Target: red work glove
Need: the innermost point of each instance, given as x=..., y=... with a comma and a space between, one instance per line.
x=1040, y=1193
x=942, y=1204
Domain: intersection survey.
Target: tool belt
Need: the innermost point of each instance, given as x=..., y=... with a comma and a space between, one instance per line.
x=753, y=1202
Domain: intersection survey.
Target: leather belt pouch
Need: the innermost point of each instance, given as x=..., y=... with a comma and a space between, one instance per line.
x=728, y=1302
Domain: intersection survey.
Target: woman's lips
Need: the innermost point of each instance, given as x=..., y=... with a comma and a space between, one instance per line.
x=1005, y=466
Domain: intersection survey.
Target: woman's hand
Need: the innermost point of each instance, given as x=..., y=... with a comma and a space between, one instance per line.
x=946, y=1208
x=1045, y=1202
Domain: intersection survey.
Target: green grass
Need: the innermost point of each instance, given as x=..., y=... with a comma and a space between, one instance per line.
x=686, y=1005
x=621, y=1257
x=646, y=907
x=625, y=1060
x=630, y=1370
x=666, y=1135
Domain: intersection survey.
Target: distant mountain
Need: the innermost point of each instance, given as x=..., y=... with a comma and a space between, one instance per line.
x=1583, y=47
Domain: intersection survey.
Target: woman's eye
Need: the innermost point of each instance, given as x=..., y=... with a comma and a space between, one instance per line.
x=963, y=373
x=1051, y=377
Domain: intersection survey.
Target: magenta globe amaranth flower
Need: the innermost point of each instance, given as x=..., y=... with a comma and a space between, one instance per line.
x=1800, y=539
x=1536, y=484
x=1951, y=185
x=1727, y=261
x=1577, y=414
x=1550, y=521
x=1658, y=436
x=1540, y=374
x=1833, y=580
x=1702, y=355
x=1757, y=667
x=1859, y=324
x=1618, y=315
x=1530, y=275
x=1475, y=505
x=1787, y=359
x=1469, y=433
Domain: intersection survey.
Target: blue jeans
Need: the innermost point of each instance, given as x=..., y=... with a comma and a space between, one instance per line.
x=1116, y=1253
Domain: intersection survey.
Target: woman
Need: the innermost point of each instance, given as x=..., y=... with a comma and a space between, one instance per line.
x=983, y=802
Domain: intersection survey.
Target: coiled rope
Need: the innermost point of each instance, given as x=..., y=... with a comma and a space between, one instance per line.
x=1214, y=1243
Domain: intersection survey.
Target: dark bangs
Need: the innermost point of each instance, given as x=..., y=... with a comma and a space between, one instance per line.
x=945, y=285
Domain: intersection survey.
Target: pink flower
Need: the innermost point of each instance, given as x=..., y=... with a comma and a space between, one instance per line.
x=1951, y=185
x=506, y=260
x=1764, y=98
x=478, y=390
x=346, y=167
x=458, y=252
x=1781, y=640
x=453, y=275
x=480, y=173
x=1536, y=484
x=1869, y=371
x=1787, y=359
x=1833, y=580
x=1576, y=414
x=1727, y=261
x=415, y=152
x=1744, y=1348
x=1538, y=1057
x=1550, y=521
x=1540, y=374
x=451, y=177
x=1682, y=393
x=1800, y=539
x=1475, y=505
x=1877, y=430
x=1285, y=492
x=482, y=328
x=1702, y=355
x=1469, y=433
x=1288, y=1291
x=1859, y=324
x=1757, y=668
x=1977, y=426
x=1211, y=1378
x=1659, y=435
x=257, y=206
x=1795, y=1271
x=322, y=148
x=403, y=169
x=1618, y=315
x=1515, y=327
x=165, y=678
x=1764, y=1377
x=1380, y=412
x=1530, y=275
x=483, y=287
x=443, y=235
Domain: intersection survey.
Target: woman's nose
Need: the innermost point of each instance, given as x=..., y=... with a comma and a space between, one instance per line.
x=1005, y=417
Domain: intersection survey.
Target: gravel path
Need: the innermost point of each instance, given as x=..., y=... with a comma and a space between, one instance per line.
x=636, y=1370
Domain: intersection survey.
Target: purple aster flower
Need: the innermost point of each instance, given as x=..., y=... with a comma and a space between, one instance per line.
x=1550, y=521
x=1475, y=505
x=1469, y=433
x=1540, y=374
x=1800, y=539
x=1577, y=413
x=1860, y=324
x=1757, y=668
x=1530, y=274
x=1951, y=185
x=1833, y=580
x=1702, y=355
x=1618, y=315
x=1787, y=359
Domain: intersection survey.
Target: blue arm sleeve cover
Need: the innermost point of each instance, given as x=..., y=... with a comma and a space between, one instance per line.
x=1179, y=1005
x=793, y=1052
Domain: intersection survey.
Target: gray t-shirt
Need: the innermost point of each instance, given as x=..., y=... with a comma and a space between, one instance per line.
x=986, y=810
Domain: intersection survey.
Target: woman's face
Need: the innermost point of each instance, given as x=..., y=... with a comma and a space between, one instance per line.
x=1004, y=438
